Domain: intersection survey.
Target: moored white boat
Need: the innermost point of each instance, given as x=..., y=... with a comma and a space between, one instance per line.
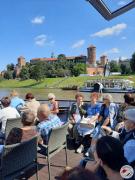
x=108, y=86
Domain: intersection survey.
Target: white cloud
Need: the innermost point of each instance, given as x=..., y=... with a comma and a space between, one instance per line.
x=114, y=30
x=52, y=42
x=123, y=58
x=112, y=51
x=38, y=20
x=40, y=40
x=78, y=44
x=122, y=3
x=120, y=58
x=123, y=37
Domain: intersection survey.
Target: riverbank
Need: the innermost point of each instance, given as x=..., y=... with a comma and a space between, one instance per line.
x=56, y=82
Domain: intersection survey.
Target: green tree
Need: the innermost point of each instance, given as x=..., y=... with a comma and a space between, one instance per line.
x=132, y=62
x=125, y=69
x=61, y=57
x=37, y=71
x=24, y=74
x=10, y=67
x=114, y=66
x=8, y=75
x=79, y=69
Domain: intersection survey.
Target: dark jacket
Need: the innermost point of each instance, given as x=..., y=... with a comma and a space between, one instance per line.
x=126, y=136
x=82, y=110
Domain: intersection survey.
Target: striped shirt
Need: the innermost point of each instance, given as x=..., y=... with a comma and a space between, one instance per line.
x=44, y=127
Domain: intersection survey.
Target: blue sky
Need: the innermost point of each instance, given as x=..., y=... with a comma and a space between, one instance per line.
x=36, y=28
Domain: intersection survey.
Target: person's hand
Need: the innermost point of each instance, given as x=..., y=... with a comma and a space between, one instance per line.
x=91, y=124
x=93, y=166
x=119, y=126
x=108, y=130
x=72, y=121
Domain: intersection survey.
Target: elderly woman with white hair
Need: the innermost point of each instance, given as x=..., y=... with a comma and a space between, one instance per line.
x=107, y=118
x=108, y=113
x=53, y=104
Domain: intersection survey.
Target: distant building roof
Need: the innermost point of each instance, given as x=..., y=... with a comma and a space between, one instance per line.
x=21, y=57
x=44, y=59
x=54, y=59
x=92, y=46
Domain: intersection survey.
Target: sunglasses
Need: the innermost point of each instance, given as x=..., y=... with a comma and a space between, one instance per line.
x=50, y=99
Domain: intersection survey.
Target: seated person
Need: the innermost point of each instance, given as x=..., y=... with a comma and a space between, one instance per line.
x=16, y=101
x=109, y=157
x=7, y=112
x=28, y=129
x=31, y=103
x=93, y=110
x=47, y=121
x=14, y=137
x=107, y=117
x=77, y=111
x=17, y=135
x=128, y=101
x=53, y=104
x=78, y=173
x=127, y=135
x=108, y=114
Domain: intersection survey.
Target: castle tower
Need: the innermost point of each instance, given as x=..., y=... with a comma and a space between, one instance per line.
x=21, y=61
x=103, y=60
x=91, y=55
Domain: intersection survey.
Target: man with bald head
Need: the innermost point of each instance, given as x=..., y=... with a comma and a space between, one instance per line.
x=47, y=122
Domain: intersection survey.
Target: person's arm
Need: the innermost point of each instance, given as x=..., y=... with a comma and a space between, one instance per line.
x=23, y=102
x=101, y=113
x=100, y=118
x=83, y=109
x=106, y=122
x=72, y=111
x=94, y=118
x=93, y=166
x=1, y=116
x=56, y=108
x=41, y=129
x=110, y=132
x=17, y=114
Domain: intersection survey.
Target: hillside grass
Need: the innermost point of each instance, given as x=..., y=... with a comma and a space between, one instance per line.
x=56, y=82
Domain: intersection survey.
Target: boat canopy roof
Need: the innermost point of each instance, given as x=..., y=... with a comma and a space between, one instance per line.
x=124, y=81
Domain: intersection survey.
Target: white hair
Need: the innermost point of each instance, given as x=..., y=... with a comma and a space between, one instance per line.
x=51, y=95
x=109, y=97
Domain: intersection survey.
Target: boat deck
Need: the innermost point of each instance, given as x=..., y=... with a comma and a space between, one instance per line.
x=57, y=165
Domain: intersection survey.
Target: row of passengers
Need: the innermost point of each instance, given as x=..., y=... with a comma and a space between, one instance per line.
x=110, y=152
x=106, y=161
x=31, y=103
x=104, y=114
x=109, y=163
x=47, y=121
x=9, y=106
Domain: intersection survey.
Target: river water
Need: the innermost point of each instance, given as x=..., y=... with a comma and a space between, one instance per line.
x=60, y=94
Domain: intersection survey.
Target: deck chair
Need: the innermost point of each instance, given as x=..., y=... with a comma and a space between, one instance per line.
x=63, y=114
x=57, y=141
x=18, y=158
x=11, y=123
